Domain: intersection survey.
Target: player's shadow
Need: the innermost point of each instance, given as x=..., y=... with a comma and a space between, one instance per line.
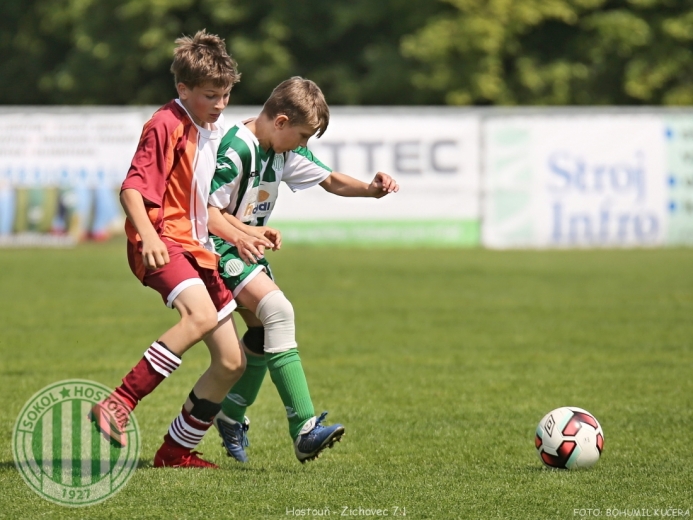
x=141, y=464
x=149, y=464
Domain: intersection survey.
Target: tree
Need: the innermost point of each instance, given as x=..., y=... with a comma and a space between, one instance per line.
x=557, y=52
x=387, y=52
x=119, y=51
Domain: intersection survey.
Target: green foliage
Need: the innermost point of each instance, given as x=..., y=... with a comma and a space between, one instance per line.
x=389, y=52
x=119, y=51
x=557, y=52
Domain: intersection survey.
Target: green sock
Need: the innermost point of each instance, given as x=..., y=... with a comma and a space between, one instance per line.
x=244, y=392
x=287, y=375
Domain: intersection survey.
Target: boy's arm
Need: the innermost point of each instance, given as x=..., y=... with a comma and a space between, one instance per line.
x=154, y=251
x=346, y=186
x=250, y=247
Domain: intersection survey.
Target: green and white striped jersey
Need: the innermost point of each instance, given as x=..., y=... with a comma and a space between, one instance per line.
x=246, y=179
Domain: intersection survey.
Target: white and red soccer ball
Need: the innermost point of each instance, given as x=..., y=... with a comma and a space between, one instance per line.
x=569, y=438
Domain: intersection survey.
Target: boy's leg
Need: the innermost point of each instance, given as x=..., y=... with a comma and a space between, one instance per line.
x=204, y=402
x=255, y=290
x=284, y=364
x=262, y=296
x=231, y=421
x=245, y=391
x=197, y=317
x=181, y=287
x=282, y=358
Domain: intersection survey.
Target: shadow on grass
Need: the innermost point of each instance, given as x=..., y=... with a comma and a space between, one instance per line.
x=141, y=464
x=149, y=464
x=7, y=465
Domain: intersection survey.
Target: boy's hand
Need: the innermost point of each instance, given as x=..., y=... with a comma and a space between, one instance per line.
x=250, y=248
x=273, y=235
x=382, y=184
x=154, y=252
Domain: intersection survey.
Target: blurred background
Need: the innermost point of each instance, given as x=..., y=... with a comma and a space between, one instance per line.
x=509, y=123
x=361, y=52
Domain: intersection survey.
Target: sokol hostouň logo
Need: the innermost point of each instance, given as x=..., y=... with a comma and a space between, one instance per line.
x=60, y=454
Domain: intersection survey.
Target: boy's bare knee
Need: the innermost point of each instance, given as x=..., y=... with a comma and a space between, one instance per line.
x=202, y=322
x=231, y=367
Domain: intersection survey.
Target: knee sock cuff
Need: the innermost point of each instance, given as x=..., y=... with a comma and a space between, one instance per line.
x=162, y=359
x=256, y=361
x=186, y=430
x=280, y=359
x=203, y=410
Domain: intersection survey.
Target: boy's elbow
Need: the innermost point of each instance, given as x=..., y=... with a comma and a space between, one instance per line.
x=213, y=227
x=128, y=198
x=328, y=185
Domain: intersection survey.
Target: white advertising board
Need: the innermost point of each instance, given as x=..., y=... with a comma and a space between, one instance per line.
x=679, y=173
x=503, y=178
x=60, y=170
x=86, y=148
x=574, y=181
x=435, y=159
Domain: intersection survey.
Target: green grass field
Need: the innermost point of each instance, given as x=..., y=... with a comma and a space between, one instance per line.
x=440, y=363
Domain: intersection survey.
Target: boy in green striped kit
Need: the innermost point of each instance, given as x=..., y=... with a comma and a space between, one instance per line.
x=253, y=158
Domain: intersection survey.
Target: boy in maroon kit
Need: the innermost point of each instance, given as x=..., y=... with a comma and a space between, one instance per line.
x=169, y=249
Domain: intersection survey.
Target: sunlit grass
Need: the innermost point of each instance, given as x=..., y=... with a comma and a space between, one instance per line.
x=440, y=363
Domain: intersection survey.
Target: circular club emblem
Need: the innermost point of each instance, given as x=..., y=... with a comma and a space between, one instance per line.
x=278, y=163
x=60, y=454
x=234, y=267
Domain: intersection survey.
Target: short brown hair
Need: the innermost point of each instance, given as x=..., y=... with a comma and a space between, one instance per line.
x=302, y=101
x=203, y=59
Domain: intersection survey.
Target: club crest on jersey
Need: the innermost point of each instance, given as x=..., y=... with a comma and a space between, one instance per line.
x=263, y=205
x=278, y=163
x=234, y=267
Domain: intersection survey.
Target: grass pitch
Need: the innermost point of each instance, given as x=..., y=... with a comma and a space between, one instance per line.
x=440, y=363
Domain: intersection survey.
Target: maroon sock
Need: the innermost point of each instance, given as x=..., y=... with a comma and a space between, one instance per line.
x=157, y=364
x=186, y=431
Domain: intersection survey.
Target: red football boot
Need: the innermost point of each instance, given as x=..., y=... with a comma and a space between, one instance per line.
x=172, y=456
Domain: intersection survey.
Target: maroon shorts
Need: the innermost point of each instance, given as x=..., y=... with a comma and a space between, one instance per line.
x=182, y=272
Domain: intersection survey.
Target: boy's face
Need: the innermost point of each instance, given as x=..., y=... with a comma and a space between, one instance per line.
x=205, y=102
x=288, y=137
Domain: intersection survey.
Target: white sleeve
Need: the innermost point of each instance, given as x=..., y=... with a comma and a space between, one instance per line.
x=226, y=180
x=303, y=170
x=222, y=197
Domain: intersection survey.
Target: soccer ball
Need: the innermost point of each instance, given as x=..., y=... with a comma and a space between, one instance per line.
x=569, y=438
